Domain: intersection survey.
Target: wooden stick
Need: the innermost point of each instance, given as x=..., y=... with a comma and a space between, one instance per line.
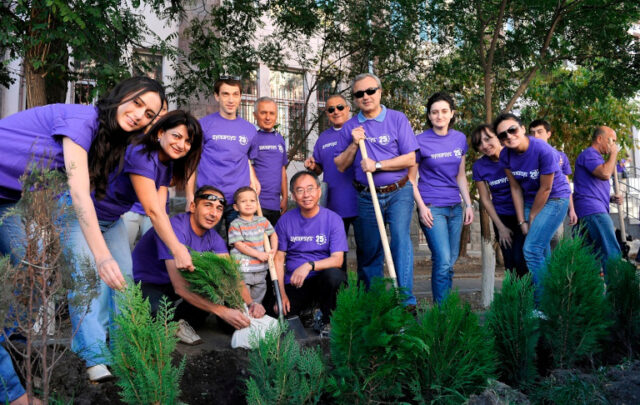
x=381, y=228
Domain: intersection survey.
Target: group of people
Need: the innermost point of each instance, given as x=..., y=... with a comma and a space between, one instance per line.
x=123, y=154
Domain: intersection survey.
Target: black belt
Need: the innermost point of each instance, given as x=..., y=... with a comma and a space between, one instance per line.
x=383, y=189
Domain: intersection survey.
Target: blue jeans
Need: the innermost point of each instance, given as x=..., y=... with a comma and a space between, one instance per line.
x=537, y=246
x=90, y=324
x=602, y=236
x=10, y=387
x=444, y=242
x=11, y=234
x=397, y=209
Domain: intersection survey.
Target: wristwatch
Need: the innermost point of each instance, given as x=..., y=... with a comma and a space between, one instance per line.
x=313, y=265
x=378, y=166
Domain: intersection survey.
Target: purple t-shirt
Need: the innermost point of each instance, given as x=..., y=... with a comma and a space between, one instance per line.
x=120, y=192
x=485, y=169
x=563, y=161
x=139, y=209
x=439, y=160
x=226, y=151
x=343, y=197
x=35, y=135
x=150, y=252
x=539, y=158
x=270, y=156
x=388, y=135
x=590, y=194
x=304, y=239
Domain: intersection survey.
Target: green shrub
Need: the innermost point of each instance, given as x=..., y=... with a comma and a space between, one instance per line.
x=574, y=303
x=216, y=278
x=568, y=388
x=515, y=330
x=141, y=350
x=456, y=357
x=369, y=349
x=623, y=294
x=281, y=373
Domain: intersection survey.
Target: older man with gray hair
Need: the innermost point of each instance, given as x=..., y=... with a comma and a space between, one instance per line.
x=391, y=146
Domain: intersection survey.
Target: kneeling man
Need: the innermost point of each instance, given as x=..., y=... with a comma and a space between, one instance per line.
x=311, y=246
x=154, y=266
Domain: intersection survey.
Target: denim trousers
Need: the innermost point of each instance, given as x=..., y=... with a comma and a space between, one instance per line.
x=91, y=322
x=602, y=236
x=12, y=234
x=397, y=209
x=537, y=246
x=10, y=386
x=443, y=239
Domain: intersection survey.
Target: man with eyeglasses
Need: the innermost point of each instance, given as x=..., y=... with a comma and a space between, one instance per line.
x=342, y=198
x=311, y=246
x=226, y=149
x=155, y=268
x=391, y=146
x=270, y=161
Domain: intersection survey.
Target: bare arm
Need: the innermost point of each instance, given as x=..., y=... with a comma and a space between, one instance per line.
x=284, y=191
x=300, y=274
x=605, y=170
x=346, y=158
x=77, y=167
x=390, y=165
x=546, y=182
x=573, y=218
x=190, y=190
x=249, y=251
x=518, y=200
x=424, y=213
x=253, y=179
x=485, y=197
x=463, y=185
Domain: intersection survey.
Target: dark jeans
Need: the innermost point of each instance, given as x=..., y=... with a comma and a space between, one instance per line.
x=320, y=290
x=347, y=224
x=228, y=216
x=513, y=256
x=272, y=215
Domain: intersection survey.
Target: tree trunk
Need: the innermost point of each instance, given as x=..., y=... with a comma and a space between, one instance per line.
x=488, y=258
x=464, y=239
x=36, y=89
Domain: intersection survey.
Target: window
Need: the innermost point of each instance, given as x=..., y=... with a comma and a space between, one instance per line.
x=84, y=86
x=249, y=97
x=287, y=89
x=147, y=63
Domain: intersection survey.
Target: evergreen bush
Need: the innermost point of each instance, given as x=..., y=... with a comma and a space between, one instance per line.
x=456, y=357
x=515, y=330
x=281, y=373
x=216, y=278
x=141, y=350
x=574, y=303
x=369, y=349
x=623, y=294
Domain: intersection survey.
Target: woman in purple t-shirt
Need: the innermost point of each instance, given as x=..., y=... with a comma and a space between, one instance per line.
x=443, y=179
x=539, y=189
x=495, y=195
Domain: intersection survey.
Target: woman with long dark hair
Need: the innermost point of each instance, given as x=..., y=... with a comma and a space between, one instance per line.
x=167, y=154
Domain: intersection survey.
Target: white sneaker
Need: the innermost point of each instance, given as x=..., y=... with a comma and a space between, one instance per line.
x=99, y=373
x=186, y=334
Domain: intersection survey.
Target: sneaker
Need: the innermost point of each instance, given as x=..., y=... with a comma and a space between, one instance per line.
x=186, y=334
x=99, y=373
x=536, y=313
x=318, y=325
x=326, y=331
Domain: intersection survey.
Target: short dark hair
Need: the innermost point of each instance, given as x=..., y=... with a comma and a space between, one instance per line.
x=200, y=192
x=599, y=131
x=504, y=117
x=337, y=96
x=300, y=174
x=242, y=190
x=231, y=81
x=540, y=122
x=441, y=96
x=476, y=135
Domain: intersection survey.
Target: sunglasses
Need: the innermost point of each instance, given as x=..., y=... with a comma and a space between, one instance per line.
x=331, y=109
x=370, y=92
x=511, y=131
x=210, y=197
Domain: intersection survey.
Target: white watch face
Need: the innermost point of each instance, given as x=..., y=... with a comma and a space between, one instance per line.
x=378, y=165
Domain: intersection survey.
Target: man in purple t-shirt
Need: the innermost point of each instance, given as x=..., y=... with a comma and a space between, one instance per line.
x=226, y=150
x=591, y=192
x=391, y=146
x=155, y=268
x=311, y=246
x=343, y=197
x=270, y=161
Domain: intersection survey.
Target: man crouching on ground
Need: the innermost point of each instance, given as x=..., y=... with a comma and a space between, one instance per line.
x=311, y=246
x=154, y=266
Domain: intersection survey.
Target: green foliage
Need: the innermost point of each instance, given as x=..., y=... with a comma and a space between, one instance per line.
x=369, y=349
x=515, y=330
x=456, y=356
x=141, y=350
x=569, y=388
x=281, y=373
x=216, y=278
x=573, y=300
x=623, y=294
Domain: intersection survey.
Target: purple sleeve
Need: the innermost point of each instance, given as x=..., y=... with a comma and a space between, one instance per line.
x=253, y=148
x=465, y=145
x=547, y=159
x=592, y=161
x=475, y=170
x=406, y=137
x=76, y=123
x=137, y=161
x=316, y=153
x=163, y=250
x=285, y=159
x=338, y=242
x=504, y=158
x=344, y=140
x=566, y=165
x=282, y=236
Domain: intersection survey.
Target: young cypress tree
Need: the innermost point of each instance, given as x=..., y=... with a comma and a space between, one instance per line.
x=216, y=278
x=515, y=330
x=623, y=294
x=574, y=303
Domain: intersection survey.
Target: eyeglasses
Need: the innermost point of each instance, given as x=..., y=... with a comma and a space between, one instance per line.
x=301, y=191
x=340, y=107
x=511, y=131
x=210, y=197
x=370, y=92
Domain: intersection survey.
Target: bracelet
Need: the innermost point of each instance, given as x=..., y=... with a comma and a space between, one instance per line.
x=313, y=265
x=103, y=262
x=520, y=223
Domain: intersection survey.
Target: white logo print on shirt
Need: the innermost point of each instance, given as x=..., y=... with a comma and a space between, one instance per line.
x=280, y=149
x=533, y=174
x=321, y=239
x=242, y=139
x=383, y=139
x=457, y=152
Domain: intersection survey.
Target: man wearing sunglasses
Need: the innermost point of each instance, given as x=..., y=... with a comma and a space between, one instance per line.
x=342, y=198
x=391, y=146
x=155, y=268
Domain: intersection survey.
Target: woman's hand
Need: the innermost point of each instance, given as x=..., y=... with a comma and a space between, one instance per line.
x=110, y=273
x=183, y=258
x=504, y=236
x=468, y=215
x=524, y=227
x=425, y=216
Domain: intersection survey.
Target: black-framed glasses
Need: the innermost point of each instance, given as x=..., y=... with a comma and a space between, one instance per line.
x=370, y=92
x=331, y=109
x=511, y=131
x=210, y=197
